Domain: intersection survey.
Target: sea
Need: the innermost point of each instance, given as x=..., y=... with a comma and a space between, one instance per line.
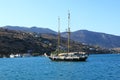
x=96, y=67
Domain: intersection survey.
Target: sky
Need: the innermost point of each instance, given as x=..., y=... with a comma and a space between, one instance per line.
x=93, y=15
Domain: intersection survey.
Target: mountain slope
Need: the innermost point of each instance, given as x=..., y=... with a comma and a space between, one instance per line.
x=32, y=29
x=84, y=36
x=13, y=42
x=95, y=38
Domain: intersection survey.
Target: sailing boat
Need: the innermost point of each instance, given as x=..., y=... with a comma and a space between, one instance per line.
x=68, y=56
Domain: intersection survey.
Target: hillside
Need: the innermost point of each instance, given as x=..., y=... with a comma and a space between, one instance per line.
x=13, y=42
x=21, y=42
x=32, y=29
x=95, y=38
x=84, y=36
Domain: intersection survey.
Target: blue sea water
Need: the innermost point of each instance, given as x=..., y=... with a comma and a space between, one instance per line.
x=97, y=67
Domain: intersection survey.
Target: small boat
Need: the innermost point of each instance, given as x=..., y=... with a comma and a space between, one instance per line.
x=12, y=56
x=68, y=56
x=15, y=56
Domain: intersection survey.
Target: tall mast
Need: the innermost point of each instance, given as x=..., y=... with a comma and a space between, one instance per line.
x=58, y=35
x=68, y=31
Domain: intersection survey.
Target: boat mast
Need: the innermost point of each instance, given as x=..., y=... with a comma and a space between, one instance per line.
x=68, y=31
x=58, y=35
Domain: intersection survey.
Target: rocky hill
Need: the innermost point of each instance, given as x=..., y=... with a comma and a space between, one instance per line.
x=32, y=29
x=13, y=42
x=95, y=38
x=84, y=36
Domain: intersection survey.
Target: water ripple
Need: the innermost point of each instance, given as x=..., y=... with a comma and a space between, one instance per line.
x=97, y=67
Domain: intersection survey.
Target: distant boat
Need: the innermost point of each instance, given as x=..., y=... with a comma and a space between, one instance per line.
x=12, y=56
x=68, y=56
x=15, y=56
